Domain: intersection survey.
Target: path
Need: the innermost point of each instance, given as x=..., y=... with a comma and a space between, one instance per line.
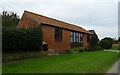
x=116, y=65
x=114, y=68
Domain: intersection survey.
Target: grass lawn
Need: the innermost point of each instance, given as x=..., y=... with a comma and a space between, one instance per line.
x=85, y=62
x=114, y=47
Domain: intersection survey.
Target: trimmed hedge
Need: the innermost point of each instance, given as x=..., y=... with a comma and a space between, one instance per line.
x=21, y=39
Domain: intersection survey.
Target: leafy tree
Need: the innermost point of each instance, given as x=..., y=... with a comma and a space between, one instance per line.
x=119, y=39
x=106, y=43
x=9, y=19
x=94, y=39
x=115, y=41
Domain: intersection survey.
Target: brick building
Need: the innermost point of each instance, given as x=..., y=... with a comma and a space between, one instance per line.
x=59, y=35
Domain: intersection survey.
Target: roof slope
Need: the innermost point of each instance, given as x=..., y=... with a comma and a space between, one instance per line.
x=54, y=22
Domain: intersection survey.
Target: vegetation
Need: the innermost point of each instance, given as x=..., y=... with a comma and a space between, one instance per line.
x=16, y=40
x=99, y=61
x=94, y=40
x=9, y=19
x=106, y=43
x=12, y=57
x=92, y=48
x=114, y=47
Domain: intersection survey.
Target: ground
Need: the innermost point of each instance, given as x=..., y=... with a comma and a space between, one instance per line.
x=85, y=62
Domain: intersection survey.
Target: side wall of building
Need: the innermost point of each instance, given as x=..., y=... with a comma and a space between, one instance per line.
x=48, y=33
x=26, y=22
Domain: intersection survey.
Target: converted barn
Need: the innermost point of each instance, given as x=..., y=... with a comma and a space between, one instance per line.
x=58, y=35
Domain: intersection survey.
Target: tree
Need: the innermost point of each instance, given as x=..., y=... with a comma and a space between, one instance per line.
x=106, y=43
x=115, y=41
x=119, y=39
x=94, y=39
x=9, y=19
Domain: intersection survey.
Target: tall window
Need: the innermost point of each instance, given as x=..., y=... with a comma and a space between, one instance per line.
x=71, y=37
x=76, y=39
x=58, y=34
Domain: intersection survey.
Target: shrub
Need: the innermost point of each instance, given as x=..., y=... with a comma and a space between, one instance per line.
x=75, y=50
x=21, y=39
x=89, y=48
x=10, y=57
x=98, y=48
x=78, y=49
x=106, y=43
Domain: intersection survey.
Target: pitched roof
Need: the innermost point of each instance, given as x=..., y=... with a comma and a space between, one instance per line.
x=54, y=22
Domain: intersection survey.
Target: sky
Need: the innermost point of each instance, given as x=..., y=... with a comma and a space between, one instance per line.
x=98, y=15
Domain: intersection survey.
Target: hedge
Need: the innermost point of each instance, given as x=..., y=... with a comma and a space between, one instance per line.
x=21, y=39
x=11, y=57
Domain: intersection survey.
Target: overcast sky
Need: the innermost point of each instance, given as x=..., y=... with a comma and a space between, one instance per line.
x=100, y=15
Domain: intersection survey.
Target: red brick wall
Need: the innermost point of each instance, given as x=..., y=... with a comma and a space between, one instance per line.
x=49, y=37
x=85, y=43
x=26, y=22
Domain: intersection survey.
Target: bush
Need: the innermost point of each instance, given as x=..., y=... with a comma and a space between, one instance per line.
x=89, y=48
x=98, y=48
x=106, y=43
x=10, y=57
x=75, y=50
x=21, y=39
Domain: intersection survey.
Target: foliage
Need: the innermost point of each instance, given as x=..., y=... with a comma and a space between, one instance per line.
x=119, y=39
x=106, y=43
x=99, y=61
x=94, y=40
x=9, y=19
x=115, y=47
x=76, y=50
x=93, y=48
x=10, y=57
x=21, y=39
x=115, y=41
x=81, y=49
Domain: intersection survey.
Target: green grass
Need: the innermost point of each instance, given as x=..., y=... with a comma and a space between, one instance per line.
x=114, y=47
x=85, y=62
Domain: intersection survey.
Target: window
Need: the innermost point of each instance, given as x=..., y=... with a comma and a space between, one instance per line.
x=79, y=37
x=58, y=34
x=76, y=39
x=71, y=37
x=74, y=36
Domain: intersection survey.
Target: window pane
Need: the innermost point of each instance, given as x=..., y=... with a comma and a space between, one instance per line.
x=79, y=37
x=58, y=34
x=71, y=39
x=71, y=33
x=74, y=37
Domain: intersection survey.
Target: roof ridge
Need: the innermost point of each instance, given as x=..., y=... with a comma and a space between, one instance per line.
x=55, y=20
x=51, y=18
